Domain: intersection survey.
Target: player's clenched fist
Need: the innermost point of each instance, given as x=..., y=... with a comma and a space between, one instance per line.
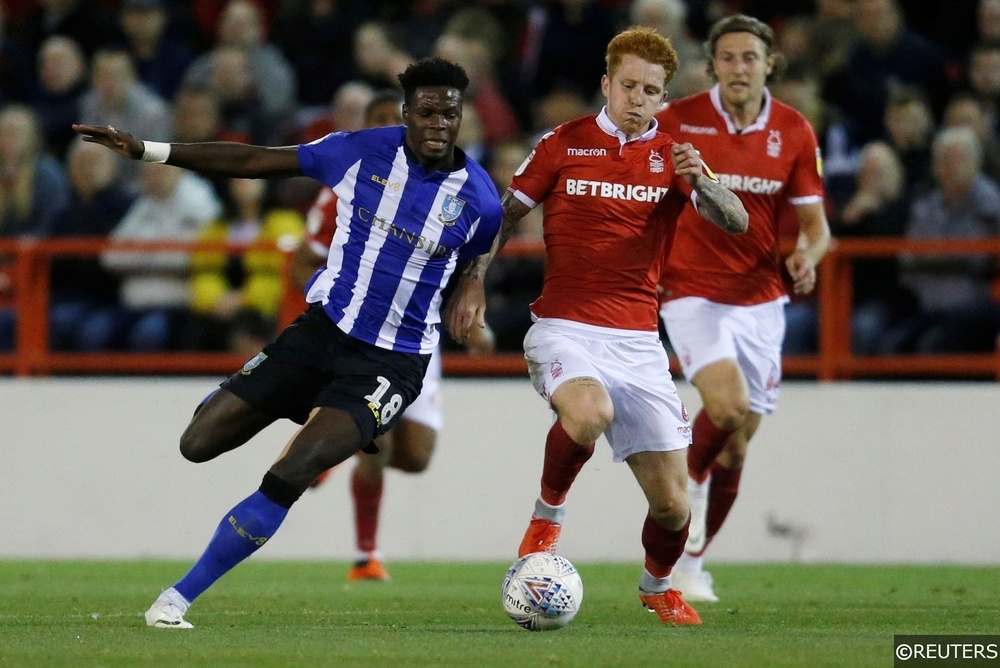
x=687, y=161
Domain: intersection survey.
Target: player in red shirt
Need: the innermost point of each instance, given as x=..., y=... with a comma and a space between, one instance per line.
x=409, y=445
x=612, y=187
x=723, y=296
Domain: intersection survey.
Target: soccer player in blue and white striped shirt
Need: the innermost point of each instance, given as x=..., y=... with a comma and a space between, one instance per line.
x=412, y=206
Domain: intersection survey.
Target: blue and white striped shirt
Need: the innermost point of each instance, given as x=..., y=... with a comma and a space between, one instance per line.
x=400, y=234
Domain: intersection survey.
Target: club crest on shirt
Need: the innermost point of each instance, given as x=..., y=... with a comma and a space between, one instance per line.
x=451, y=209
x=253, y=364
x=655, y=162
x=773, y=144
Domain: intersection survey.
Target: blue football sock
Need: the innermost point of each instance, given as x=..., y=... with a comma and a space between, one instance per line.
x=244, y=529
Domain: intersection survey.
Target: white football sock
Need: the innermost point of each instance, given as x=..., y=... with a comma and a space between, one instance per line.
x=653, y=585
x=173, y=596
x=368, y=556
x=689, y=563
x=551, y=513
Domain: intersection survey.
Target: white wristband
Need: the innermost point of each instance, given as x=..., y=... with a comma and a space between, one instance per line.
x=155, y=151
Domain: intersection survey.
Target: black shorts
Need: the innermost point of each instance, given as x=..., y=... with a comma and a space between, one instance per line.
x=313, y=363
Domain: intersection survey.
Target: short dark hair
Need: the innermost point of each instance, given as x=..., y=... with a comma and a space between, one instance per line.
x=757, y=28
x=432, y=72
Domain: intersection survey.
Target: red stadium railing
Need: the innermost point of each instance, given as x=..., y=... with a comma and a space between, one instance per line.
x=28, y=263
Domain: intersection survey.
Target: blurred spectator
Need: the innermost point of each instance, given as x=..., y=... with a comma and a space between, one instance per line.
x=957, y=312
x=472, y=38
x=510, y=16
x=988, y=20
x=793, y=39
x=316, y=37
x=886, y=55
x=832, y=33
x=15, y=65
x=87, y=22
x=984, y=78
x=421, y=23
x=909, y=127
x=118, y=99
x=175, y=205
x=62, y=81
x=555, y=108
x=235, y=296
x=345, y=112
x=160, y=58
x=965, y=110
x=34, y=190
x=877, y=208
x=231, y=82
x=33, y=193
x=207, y=15
x=385, y=109
x=376, y=59
x=564, y=45
x=80, y=285
x=880, y=188
x=197, y=117
x=262, y=77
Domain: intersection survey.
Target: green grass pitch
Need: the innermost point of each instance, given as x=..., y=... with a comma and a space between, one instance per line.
x=267, y=613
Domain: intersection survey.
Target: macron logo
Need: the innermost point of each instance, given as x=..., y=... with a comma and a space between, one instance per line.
x=698, y=130
x=587, y=152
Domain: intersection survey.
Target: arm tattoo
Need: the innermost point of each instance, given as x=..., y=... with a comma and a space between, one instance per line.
x=513, y=211
x=721, y=206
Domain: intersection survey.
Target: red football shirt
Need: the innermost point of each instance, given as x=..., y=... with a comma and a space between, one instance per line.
x=610, y=208
x=773, y=160
x=321, y=221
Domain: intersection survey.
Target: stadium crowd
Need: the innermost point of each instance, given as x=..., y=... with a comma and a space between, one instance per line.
x=903, y=98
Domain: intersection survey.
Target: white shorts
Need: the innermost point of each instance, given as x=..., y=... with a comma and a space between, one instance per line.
x=426, y=408
x=632, y=366
x=702, y=332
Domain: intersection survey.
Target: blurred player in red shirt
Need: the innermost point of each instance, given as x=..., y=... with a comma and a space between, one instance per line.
x=612, y=188
x=723, y=296
x=407, y=446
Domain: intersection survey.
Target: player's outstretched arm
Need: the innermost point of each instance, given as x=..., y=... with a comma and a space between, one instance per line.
x=467, y=304
x=215, y=158
x=716, y=203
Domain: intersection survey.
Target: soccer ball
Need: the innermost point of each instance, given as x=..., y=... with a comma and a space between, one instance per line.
x=542, y=592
